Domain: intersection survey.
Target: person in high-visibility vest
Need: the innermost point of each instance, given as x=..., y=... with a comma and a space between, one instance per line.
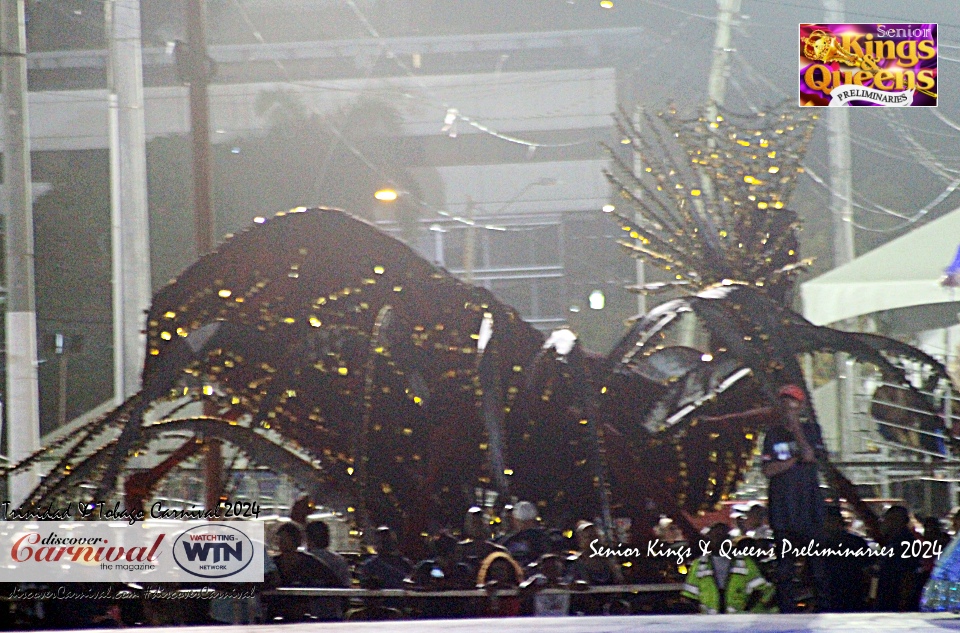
x=723, y=583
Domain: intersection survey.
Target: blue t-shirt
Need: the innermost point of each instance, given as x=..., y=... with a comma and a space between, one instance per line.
x=796, y=506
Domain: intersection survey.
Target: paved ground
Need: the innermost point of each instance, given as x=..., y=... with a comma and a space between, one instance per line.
x=868, y=622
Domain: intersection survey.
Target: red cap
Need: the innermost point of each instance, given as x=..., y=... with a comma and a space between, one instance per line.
x=792, y=391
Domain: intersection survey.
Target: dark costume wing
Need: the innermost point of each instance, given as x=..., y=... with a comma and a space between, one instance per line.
x=327, y=336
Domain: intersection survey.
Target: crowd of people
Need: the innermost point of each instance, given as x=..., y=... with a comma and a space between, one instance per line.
x=800, y=554
x=514, y=571
x=796, y=553
x=845, y=572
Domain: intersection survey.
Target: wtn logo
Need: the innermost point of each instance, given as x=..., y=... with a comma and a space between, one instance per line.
x=213, y=551
x=221, y=551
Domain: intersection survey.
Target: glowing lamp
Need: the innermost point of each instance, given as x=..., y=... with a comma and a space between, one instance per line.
x=386, y=195
x=597, y=300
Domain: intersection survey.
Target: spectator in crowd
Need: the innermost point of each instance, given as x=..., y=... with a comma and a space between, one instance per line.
x=937, y=537
x=898, y=577
x=442, y=571
x=296, y=568
x=667, y=531
x=789, y=461
x=546, y=573
x=847, y=574
x=388, y=566
x=318, y=544
x=499, y=571
x=755, y=522
x=593, y=570
x=476, y=544
x=530, y=540
x=738, y=514
x=727, y=584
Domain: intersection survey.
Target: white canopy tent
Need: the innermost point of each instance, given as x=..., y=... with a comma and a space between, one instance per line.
x=902, y=273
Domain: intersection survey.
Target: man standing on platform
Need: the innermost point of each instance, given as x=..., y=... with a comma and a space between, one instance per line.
x=796, y=507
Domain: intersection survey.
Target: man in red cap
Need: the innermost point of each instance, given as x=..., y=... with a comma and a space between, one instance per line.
x=796, y=506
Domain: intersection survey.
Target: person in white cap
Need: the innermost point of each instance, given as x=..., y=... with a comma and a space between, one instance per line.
x=530, y=539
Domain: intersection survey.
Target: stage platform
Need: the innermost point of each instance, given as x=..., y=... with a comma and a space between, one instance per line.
x=848, y=623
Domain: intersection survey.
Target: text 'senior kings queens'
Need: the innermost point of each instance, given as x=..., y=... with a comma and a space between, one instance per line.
x=888, y=64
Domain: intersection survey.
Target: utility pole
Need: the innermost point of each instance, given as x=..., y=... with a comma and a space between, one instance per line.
x=470, y=242
x=130, y=224
x=197, y=70
x=841, y=211
x=716, y=91
x=641, y=271
x=841, y=183
x=720, y=66
x=23, y=411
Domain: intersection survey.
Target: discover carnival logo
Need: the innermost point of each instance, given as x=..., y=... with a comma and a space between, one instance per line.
x=152, y=551
x=213, y=551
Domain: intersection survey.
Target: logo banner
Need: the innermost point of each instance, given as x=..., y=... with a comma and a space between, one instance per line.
x=843, y=95
x=868, y=65
x=148, y=552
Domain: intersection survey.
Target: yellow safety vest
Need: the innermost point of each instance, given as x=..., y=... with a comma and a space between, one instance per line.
x=743, y=581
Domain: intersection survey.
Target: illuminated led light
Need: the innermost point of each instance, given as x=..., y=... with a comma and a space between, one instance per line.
x=606, y=4
x=166, y=336
x=259, y=219
x=386, y=195
x=350, y=470
x=597, y=300
x=343, y=371
x=315, y=322
x=608, y=208
x=207, y=390
x=169, y=315
x=224, y=293
x=694, y=192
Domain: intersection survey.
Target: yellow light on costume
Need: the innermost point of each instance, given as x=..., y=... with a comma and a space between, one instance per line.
x=606, y=4
x=224, y=293
x=694, y=192
x=386, y=195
